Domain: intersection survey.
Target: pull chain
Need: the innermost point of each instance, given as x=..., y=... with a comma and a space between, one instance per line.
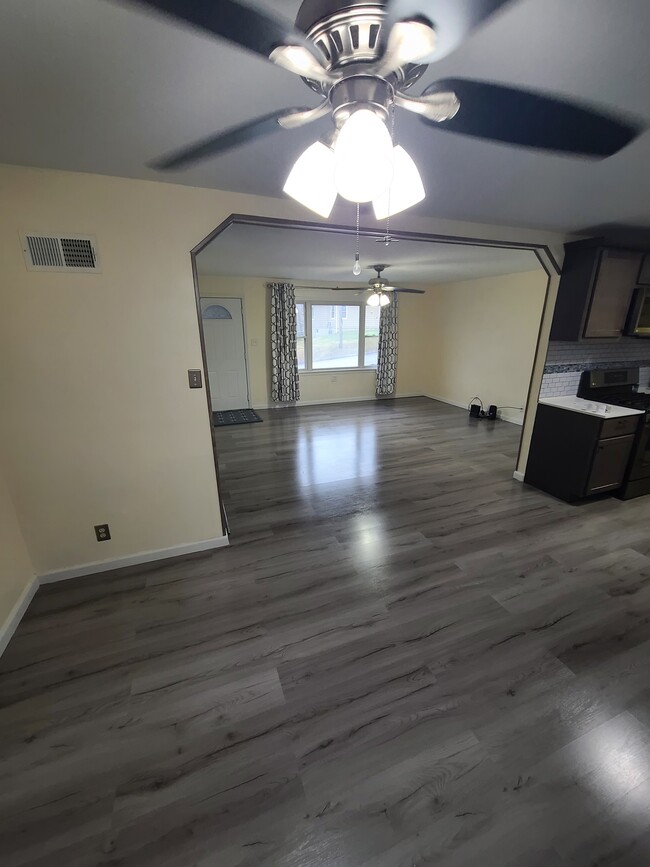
x=356, y=269
x=388, y=238
x=392, y=138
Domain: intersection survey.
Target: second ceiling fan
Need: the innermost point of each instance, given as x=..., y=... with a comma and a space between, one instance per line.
x=379, y=288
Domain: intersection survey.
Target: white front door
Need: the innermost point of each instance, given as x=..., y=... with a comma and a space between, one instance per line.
x=223, y=332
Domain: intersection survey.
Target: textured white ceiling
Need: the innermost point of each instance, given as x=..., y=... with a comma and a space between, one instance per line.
x=99, y=86
x=300, y=254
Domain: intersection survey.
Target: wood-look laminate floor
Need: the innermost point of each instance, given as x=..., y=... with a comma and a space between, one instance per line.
x=404, y=658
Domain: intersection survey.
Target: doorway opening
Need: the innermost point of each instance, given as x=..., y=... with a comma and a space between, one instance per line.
x=473, y=329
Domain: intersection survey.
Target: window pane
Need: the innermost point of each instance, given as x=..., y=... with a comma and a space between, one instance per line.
x=334, y=336
x=371, y=336
x=300, y=335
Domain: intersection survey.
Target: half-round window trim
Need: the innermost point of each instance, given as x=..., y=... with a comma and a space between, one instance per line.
x=216, y=311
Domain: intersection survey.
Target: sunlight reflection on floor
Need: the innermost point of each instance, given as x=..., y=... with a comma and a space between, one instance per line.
x=336, y=453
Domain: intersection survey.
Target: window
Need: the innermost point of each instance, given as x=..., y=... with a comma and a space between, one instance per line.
x=301, y=338
x=216, y=311
x=336, y=336
x=371, y=335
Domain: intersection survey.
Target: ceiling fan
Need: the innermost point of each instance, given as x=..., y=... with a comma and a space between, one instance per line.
x=380, y=289
x=361, y=57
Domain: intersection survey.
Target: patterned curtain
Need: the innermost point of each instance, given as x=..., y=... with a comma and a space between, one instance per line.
x=284, y=357
x=387, y=351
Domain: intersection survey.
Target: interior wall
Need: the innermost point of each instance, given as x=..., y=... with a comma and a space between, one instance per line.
x=315, y=387
x=482, y=340
x=16, y=570
x=98, y=424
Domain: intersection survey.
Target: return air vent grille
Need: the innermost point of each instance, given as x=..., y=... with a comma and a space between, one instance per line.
x=45, y=252
x=53, y=253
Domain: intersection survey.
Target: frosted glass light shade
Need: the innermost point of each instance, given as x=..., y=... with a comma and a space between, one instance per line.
x=311, y=180
x=405, y=190
x=378, y=299
x=363, y=157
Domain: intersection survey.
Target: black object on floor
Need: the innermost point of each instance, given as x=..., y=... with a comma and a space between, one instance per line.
x=235, y=416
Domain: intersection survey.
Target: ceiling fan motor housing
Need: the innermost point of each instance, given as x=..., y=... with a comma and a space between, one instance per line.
x=348, y=34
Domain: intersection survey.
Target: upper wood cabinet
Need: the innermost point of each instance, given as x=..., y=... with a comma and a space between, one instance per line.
x=596, y=291
x=644, y=274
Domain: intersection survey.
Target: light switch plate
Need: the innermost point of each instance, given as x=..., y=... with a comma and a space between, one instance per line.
x=195, y=378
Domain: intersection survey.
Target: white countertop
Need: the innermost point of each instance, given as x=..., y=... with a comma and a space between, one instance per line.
x=590, y=407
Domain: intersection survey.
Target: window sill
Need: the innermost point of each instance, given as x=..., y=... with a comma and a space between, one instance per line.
x=331, y=370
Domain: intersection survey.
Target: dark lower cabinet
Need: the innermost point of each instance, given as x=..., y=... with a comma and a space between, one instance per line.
x=574, y=455
x=610, y=463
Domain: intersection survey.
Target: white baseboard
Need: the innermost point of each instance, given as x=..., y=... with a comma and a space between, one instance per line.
x=518, y=476
x=444, y=400
x=300, y=403
x=134, y=560
x=509, y=419
x=10, y=625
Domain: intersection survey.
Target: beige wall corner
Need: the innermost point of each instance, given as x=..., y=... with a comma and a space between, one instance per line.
x=481, y=340
x=16, y=571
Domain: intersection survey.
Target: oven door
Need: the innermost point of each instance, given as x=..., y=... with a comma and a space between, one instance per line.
x=640, y=467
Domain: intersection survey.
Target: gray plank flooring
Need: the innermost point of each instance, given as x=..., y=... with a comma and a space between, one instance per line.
x=404, y=658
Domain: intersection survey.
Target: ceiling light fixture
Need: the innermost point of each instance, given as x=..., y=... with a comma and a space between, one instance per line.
x=406, y=188
x=363, y=157
x=378, y=299
x=311, y=180
x=361, y=166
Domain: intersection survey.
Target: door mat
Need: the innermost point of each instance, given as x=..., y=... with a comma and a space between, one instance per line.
x=235, y=416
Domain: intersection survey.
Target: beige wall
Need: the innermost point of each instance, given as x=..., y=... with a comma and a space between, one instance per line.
x=16, y=572
x=481, y=338
x=97, y=422
x=314, y=387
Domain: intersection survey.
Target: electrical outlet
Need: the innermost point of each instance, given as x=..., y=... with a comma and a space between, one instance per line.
x=102, y=532
x=333, y=379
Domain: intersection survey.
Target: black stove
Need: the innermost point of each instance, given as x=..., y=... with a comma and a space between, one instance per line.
x=620, y=387
x=639, y=401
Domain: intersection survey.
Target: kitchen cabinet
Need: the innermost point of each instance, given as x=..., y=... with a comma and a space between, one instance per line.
x=574, y=455
x=596, y=289
x=644, y=273
x=610, y=463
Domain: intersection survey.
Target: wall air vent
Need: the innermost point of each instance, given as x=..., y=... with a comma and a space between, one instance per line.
x=60, y=253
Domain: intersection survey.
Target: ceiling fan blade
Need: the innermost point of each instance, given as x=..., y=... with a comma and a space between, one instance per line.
x=224, y=141
x=453, y=20
x=408, y=42
x=528, y=119
x=334, y=288
x=245, y=24
x=402, y=289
